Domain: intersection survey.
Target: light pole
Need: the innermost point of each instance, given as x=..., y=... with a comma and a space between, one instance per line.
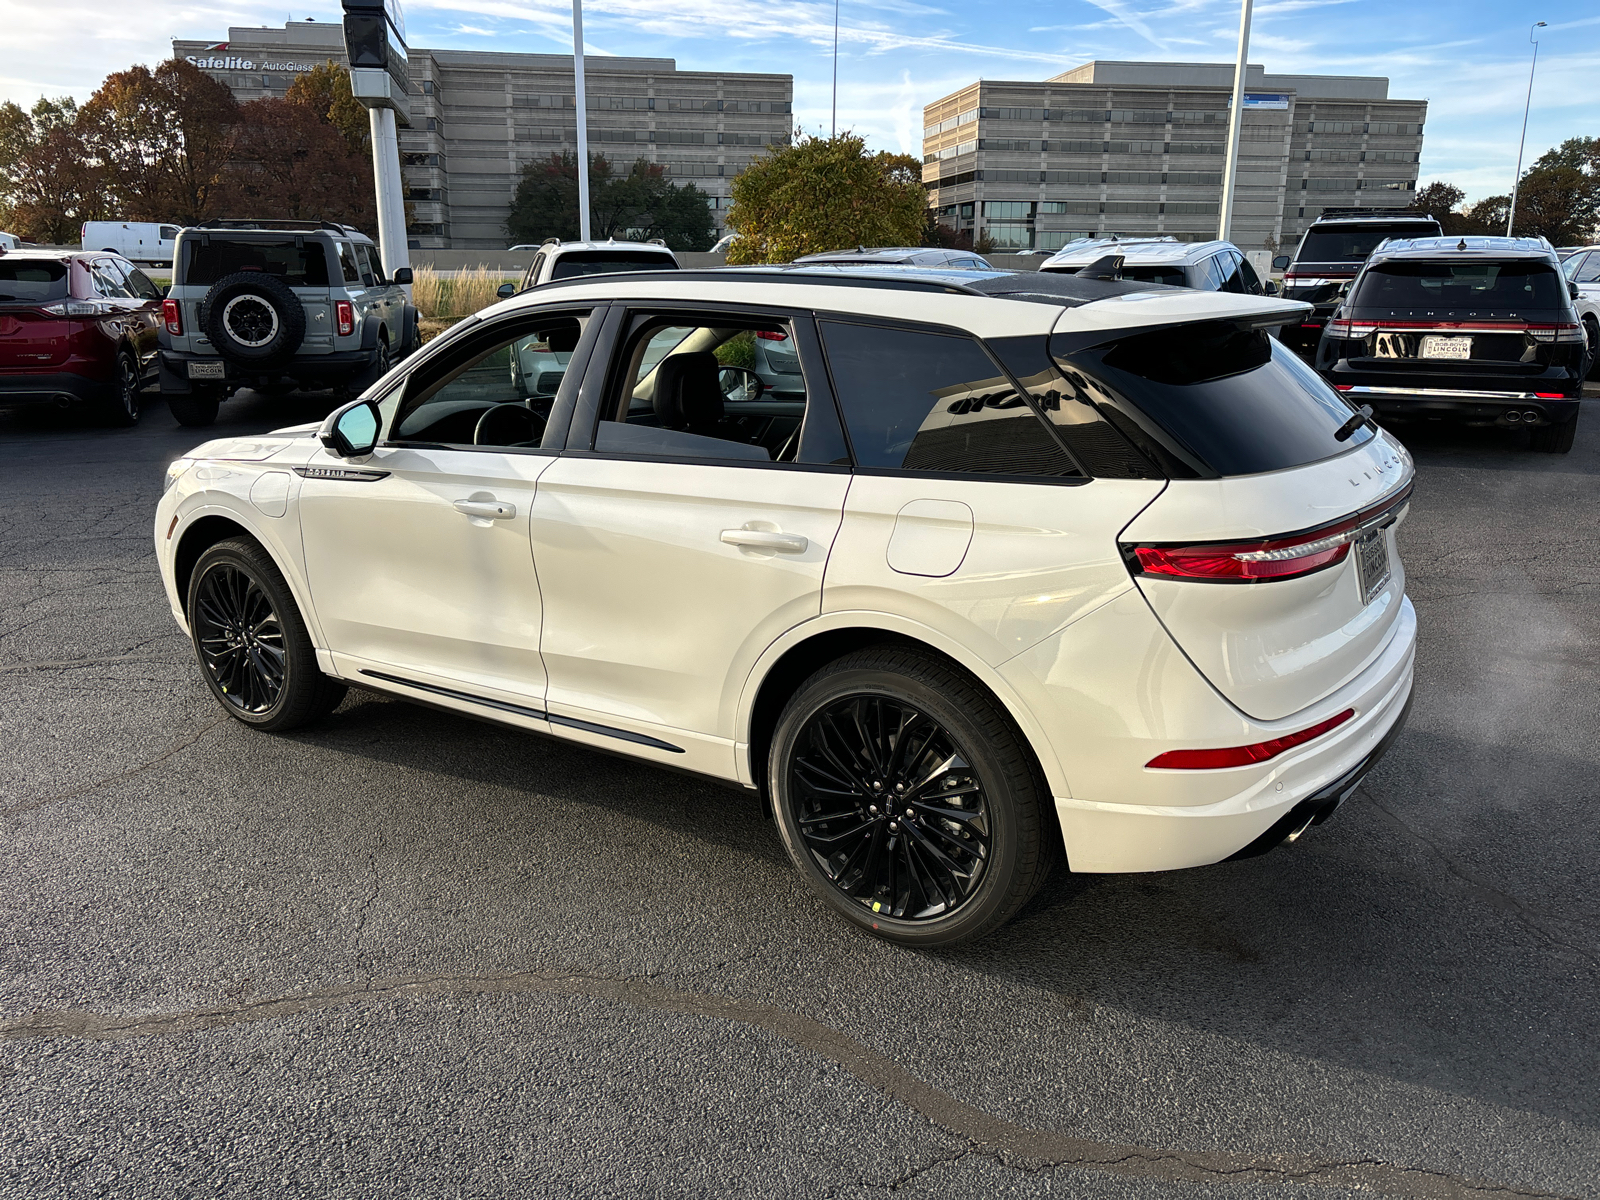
x=1230, y=169
x=375, y=42
x=833, y=130
x=1516, y=182
x=583, y=120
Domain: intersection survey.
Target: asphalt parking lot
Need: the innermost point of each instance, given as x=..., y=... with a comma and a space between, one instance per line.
x=407, y=954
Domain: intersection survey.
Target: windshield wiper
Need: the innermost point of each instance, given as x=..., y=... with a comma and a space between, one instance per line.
x=1363, y=416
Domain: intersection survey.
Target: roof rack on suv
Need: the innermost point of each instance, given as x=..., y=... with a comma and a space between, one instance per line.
x=1382, y=214
x=272, y=223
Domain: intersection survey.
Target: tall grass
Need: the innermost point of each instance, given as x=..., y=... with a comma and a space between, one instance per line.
x=449, y=296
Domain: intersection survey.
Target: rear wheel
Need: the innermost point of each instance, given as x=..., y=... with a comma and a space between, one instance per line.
x=1591, y=334
x=907, y=799
x=1554, y=439
x=193, y=410
x=123, y=407
x=254, y=651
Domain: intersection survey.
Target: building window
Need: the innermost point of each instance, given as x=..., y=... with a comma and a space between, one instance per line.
x=1197, y=147
x=1054, y=239
x=1132, y=206
x=1010, y=236
x=1073, y=177
x=1192, y=208
x=1138, y=177
x=427, y=87
x=1134, y=147
x=1078, y=147
x=1008, y=114
x=1008, y=209
x=1142, y=116
x=1195, y=178
x=1189, y=116
x=1087, y=115
x=1008, y=144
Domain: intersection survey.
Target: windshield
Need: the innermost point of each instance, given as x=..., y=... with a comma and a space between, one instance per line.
x=606, y=262
x=1168, y=275
x=304, y=265
x=29, y=282
x=1354, y=243
x=1468, y=286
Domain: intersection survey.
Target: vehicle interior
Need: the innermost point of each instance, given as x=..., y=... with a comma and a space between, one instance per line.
x=696, y=390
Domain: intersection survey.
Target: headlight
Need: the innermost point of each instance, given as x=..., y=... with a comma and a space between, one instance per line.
x=175, y=472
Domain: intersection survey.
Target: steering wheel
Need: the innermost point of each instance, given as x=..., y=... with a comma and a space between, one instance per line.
x=508, y=424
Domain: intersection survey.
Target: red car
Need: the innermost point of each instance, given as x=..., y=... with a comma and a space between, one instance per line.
x=76, y=327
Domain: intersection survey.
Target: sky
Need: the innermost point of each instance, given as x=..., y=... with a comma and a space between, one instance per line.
x=1468, y=58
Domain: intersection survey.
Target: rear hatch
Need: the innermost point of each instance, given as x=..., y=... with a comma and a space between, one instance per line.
x=30, y=337
x=1460, y=321
x=1270, y=557
x=1331, y=254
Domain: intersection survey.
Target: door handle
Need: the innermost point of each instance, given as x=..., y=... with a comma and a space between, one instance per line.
x=761, y=539
x=487, y=510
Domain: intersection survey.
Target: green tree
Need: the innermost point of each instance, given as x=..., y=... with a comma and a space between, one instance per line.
x=1557, y=202
x=640, y=204
x=47, y=188
x=821, y=194
x=161, y=141
x=325, y=90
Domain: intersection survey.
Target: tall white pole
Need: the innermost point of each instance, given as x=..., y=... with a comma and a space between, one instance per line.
x=834, y=128
x=1230, y=169
x=391, y=198
x=1516, y=180
x=583, y=120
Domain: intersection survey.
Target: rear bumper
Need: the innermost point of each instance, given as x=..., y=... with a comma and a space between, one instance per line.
x=1123, y=837
x=341, y=366
x=1478, y=405
x=51, y=387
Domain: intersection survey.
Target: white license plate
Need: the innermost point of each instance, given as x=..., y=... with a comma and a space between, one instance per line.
x=1372, y=564
x=1434, y=346
x=205, y=370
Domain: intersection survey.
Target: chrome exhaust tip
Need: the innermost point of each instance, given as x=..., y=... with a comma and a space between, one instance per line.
x=1513, y=417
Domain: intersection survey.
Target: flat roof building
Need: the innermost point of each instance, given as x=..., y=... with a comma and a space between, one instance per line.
x=1138, y=148
x=479, y=117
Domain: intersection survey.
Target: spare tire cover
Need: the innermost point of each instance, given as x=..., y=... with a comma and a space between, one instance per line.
x=253, y=319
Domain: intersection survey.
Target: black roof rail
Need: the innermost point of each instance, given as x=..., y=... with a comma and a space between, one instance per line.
x=1383, y=213
x=775, y=273
x=273, y=223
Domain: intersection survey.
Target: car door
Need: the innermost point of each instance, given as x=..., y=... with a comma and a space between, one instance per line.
x=418, y=556
x=681, y=533
x=377, y=298
x=134, y=320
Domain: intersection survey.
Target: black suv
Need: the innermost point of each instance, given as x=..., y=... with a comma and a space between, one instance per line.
x=275, y=305
x=1330, y=254
x=1481, y=329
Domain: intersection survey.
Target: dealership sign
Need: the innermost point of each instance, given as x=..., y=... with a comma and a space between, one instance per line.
x=233, y=62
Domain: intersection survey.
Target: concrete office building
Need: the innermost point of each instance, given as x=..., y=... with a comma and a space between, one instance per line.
x=1123, y=147
x=477, y=118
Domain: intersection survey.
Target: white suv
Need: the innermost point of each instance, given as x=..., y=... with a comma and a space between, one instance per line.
x=1020, y=565
x=1582, y=269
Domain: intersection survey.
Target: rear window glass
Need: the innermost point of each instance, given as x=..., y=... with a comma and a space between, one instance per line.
x=1469, y=286
x=1354, y=244
x=918, y=401
x=22, y=281
x=606, y=262
x=1221, y=399
x=299, y=266
x=1172, y=276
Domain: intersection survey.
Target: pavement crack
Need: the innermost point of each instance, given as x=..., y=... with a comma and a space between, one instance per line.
x=985, y=1133
x=1479, y=886
x=181, y=745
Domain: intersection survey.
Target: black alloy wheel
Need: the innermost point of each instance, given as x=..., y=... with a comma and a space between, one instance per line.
x=123, y=408
x=1591, y=335
x=908, y=799
x=890, y=807
x=254, y=651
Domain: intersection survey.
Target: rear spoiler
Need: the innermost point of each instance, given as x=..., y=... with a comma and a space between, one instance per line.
x=1119, y=317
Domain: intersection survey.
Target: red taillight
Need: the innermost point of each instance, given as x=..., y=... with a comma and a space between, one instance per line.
x=1353, y=330
x=1243, y=756
x=771, y=335
x=1264, y=558
x=346, y=314
x=1549, y=396
x=1343, y=387
x=172, y=317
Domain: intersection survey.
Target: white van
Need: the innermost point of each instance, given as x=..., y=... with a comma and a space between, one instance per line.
x=137, y=241
x=8, y=241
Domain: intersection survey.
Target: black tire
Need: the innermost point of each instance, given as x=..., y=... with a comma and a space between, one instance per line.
x=1591, y=335
x=952, y=871
x=195, y=410
x=124, y=405
x=254, y=652
x=1554, y=439
x=253, y=319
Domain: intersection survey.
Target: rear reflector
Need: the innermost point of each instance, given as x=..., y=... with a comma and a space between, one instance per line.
x=1549, y=396
x=1264, y=559
x=1243, y=756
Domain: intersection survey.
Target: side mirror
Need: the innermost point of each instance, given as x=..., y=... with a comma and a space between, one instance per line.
x=353, y=432
x=1269, y=288
x=1280, y=263
x=167, y=288
x=740, y=384
x=402, y=275
x=506, y=290
x=1573, y=290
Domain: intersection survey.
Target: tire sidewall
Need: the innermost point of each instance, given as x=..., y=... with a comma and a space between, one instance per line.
x=977, y=915
x=268, y=290
x=125, y=406
x=247, y=560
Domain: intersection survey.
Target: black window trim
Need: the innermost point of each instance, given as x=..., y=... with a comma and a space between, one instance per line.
x=604, y=376
x=472, y=338
x=1026, y=396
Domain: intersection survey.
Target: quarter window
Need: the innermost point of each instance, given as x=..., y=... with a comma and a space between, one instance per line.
x=916, y=401
x=347, y=263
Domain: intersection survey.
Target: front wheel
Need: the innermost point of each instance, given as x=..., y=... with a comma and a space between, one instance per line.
x=908, y=800
x=254, y=651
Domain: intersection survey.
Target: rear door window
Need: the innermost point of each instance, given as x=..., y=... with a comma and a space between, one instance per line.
x=920, y=401
x=1589, y=271
x=303, y=265
x=1443, y=286
x=1212, y=399
x=109, y=281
